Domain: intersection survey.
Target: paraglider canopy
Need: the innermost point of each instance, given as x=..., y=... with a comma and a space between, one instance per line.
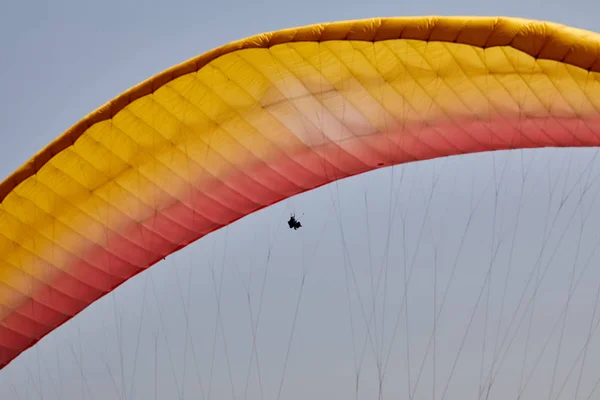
x=257, y=121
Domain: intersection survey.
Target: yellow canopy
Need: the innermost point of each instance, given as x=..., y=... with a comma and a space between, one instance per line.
x=259, y=120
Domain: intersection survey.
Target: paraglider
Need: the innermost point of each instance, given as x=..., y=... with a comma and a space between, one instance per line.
x=293, y=223
x=260, y=120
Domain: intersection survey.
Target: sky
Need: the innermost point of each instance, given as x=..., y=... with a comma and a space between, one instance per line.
x=160, y=336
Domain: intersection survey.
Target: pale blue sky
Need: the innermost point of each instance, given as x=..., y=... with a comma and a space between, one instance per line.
x=59, y=60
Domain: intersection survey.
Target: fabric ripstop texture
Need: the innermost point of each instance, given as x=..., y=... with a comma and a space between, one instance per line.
x=257, y=121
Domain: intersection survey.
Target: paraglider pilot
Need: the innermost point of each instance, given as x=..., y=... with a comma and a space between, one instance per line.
x=293, y=223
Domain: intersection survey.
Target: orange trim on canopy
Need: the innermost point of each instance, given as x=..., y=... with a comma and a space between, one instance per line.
x=540, y=39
